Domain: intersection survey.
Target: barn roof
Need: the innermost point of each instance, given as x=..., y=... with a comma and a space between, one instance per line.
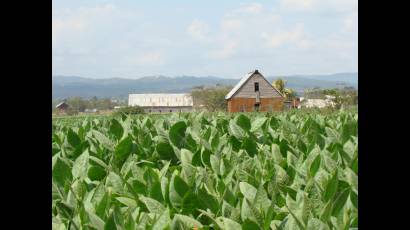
x=60, y=104
x=160, y=99
x=243, y=81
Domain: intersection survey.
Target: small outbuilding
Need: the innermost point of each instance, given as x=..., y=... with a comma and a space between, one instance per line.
x=62, y=107
x=254, y=93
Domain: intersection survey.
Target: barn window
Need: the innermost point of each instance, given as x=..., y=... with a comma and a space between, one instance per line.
x=256, y=86
x=170, y=110
x=149, y=110
x=160, y=111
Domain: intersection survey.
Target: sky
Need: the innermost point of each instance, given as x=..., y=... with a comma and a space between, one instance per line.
x=225, y=38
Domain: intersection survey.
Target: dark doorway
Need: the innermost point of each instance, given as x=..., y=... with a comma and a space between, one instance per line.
x=256, y=86
x=256, y=108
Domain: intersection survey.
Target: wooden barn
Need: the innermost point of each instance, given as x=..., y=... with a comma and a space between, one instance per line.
x=62, y=107
x=254, y=93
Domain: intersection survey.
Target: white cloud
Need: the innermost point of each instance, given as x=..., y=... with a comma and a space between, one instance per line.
x=251, y=8
x=297, y=4
x=239, y=31
x=318, y=5
x=295, y=36
x=304, y=44
x=106, y=39
x=79, y=18
x=69, y=23
x=350, y=23
x=227, y=51
x=198, y=30
x=228, y=24
x=149, y=58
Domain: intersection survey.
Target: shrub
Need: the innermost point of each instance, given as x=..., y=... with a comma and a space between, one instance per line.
x=130, y=110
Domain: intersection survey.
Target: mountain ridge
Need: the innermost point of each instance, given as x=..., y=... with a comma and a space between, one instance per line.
x=70, y=86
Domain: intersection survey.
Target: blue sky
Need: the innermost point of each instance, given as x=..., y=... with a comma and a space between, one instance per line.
x=131, y=39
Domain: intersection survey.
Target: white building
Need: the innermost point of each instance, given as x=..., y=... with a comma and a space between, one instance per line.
x=318, y=103
x=162, y=102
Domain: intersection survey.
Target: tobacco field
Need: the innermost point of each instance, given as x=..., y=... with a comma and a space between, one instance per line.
x=291, y=170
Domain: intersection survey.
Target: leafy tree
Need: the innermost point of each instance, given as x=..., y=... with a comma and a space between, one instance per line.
x=81, y=104
x=211, y=98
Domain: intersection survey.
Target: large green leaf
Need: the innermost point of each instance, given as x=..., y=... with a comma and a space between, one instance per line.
x=152, y=205
x=123, y=149
x=72, y=138
x=208, y=201
x=250, y=146
x=177, y=134
x=96, y=222
x=177, y=190
x=165, y=151
x=236, y=130
x=250, y=225
x=80, y=166
x=261, y=199
x=229, y=224
x=331, y=187
x=131, y=203
x=116, y=129
x=96, y=173
x=61, y=171
x=316, y=224
x=104, y=140
x=314, y=167
x=243, y=121
x=258, y=123
x=340, y=201
x=163, y=221
x=248, y=191
x=185, y=222
x=353, y=198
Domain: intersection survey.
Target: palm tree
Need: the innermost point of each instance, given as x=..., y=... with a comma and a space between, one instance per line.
x=279, y=84
x=288, y=93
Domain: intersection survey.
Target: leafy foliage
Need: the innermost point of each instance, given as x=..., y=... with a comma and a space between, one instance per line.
x=294, y=170
x=129, y=110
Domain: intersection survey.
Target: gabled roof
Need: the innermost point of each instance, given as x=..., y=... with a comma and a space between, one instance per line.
x=60, y=104
x=244, y=80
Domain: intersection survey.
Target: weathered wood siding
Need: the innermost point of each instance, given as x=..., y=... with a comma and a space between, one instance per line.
x=248, y=89
x=248, y=104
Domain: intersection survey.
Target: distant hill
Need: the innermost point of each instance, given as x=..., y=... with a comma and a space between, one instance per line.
x=350, y=78
x=69, y=86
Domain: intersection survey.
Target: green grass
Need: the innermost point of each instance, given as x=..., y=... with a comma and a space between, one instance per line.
x=291, y=170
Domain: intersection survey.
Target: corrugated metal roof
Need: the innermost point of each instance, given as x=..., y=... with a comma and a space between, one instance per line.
x=242, y=82
x=239, y=85
x=160, y=99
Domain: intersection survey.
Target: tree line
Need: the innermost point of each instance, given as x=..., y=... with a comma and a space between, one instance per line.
x=79, y=104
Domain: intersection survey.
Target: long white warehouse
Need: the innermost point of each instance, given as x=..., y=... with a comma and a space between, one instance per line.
x=162, y=102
